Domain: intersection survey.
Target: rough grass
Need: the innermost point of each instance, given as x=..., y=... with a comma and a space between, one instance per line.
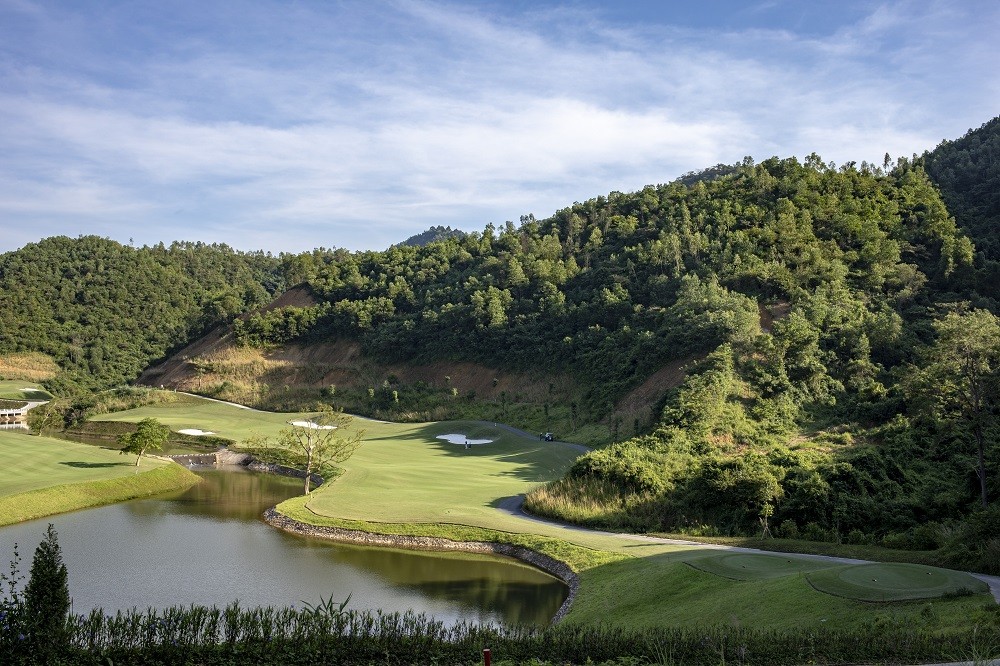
x=87, y=494
x=579, y=558
x=663, y=591
x=28, y=366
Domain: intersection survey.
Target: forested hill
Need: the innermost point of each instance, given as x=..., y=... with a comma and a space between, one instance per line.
x=104, y=311
x=814, y=307
x=968, y=172
x=808, y=321
x=433, y=234
x=614, y=288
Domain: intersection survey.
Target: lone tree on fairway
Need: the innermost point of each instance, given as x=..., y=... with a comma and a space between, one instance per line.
x=319, y=443
x=149, y=434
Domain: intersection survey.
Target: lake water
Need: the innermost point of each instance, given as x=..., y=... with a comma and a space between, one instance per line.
x=208, y=545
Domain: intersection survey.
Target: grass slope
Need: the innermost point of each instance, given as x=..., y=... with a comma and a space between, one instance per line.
x=41, y=476
x=14, y=389
x=403, y=480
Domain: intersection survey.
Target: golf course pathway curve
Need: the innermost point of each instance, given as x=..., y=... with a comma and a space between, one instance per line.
x=514, y=506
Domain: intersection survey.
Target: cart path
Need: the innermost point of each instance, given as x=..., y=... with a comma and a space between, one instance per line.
x=514, y=506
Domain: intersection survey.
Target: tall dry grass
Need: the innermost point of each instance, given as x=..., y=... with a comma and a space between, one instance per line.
x=29, y=366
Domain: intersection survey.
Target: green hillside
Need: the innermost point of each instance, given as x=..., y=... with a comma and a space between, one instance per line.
x=104, y=311
x=785, y=347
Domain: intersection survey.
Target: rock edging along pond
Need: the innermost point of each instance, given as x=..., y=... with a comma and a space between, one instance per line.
x=547, y=564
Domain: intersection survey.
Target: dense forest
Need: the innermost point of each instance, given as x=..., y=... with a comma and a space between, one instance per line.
x=103, y=311
x=968, y=170
x=833, y=330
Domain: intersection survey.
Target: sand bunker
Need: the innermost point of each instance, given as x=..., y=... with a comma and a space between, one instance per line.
x=310, y=424
x=195, y=431
x=462, y=439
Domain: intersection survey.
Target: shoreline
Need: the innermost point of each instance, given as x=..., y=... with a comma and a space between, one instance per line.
x=549, y=565
x=68, y=497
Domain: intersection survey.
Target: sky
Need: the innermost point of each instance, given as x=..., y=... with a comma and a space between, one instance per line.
x=290, y=125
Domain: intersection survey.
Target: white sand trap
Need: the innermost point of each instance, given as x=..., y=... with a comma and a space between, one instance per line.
x=462, y=439
x=194, y=431
x=315, y=426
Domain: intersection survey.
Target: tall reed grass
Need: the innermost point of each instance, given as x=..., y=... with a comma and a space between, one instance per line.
x=326, y=634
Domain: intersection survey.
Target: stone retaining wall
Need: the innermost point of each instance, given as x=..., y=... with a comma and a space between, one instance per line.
x=547, y=564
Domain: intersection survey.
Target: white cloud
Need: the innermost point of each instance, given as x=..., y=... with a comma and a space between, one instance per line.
x=428, y=113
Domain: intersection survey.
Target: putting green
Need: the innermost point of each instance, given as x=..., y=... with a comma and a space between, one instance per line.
x=14, y=389
x=751, y=566
x=893, y=582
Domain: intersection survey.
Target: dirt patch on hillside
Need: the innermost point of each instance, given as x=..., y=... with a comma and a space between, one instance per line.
x=179, y=370
x=173, y=372
x=772, y=313
x=639, y=401
x=299, y=296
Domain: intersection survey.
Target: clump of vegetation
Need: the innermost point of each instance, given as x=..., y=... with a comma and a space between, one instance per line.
x=35, y=622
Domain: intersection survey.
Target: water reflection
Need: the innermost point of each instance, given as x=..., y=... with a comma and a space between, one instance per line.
x=207, y=545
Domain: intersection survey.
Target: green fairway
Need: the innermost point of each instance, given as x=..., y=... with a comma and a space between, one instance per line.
x=418, y=478
x=893, y=582
x=21, y=390
x=405, y=480
x=29, y=462
x=41, y=476
x=224, y=420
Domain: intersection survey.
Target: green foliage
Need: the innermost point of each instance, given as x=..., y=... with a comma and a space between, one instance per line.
x=105, y=311
x=46, y=601
x=315, y=445
x=968, y=172
x=214, y=636
x=149, y=434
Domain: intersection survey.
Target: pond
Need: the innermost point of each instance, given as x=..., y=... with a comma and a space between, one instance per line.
x=208, y=545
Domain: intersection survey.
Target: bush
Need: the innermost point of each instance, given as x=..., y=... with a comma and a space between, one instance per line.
x=788, y=529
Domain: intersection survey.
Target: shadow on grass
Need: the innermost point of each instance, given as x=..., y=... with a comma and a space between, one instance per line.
x=94, y=465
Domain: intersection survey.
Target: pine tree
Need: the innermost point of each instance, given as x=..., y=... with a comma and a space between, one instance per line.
x=46, y=600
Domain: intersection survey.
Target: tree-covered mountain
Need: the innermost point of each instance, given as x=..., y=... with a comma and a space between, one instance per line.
x=784, y=345
x=432, y=235
x=104, y=311
x=967, y=170
x=801, y=297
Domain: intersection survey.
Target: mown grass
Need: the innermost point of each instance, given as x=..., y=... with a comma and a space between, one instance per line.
x=86, y=494
x=42, y=476
x=30, y=462
x=663, y=591
x=403, y=480
x=893, y=582
x=16, y=389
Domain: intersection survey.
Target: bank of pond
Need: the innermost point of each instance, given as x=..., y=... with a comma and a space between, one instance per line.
x=207, y=545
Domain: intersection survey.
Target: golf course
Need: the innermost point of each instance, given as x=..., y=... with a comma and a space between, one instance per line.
x=409, y=479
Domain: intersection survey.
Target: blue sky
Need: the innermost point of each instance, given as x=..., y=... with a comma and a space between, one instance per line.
x=286, y=126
